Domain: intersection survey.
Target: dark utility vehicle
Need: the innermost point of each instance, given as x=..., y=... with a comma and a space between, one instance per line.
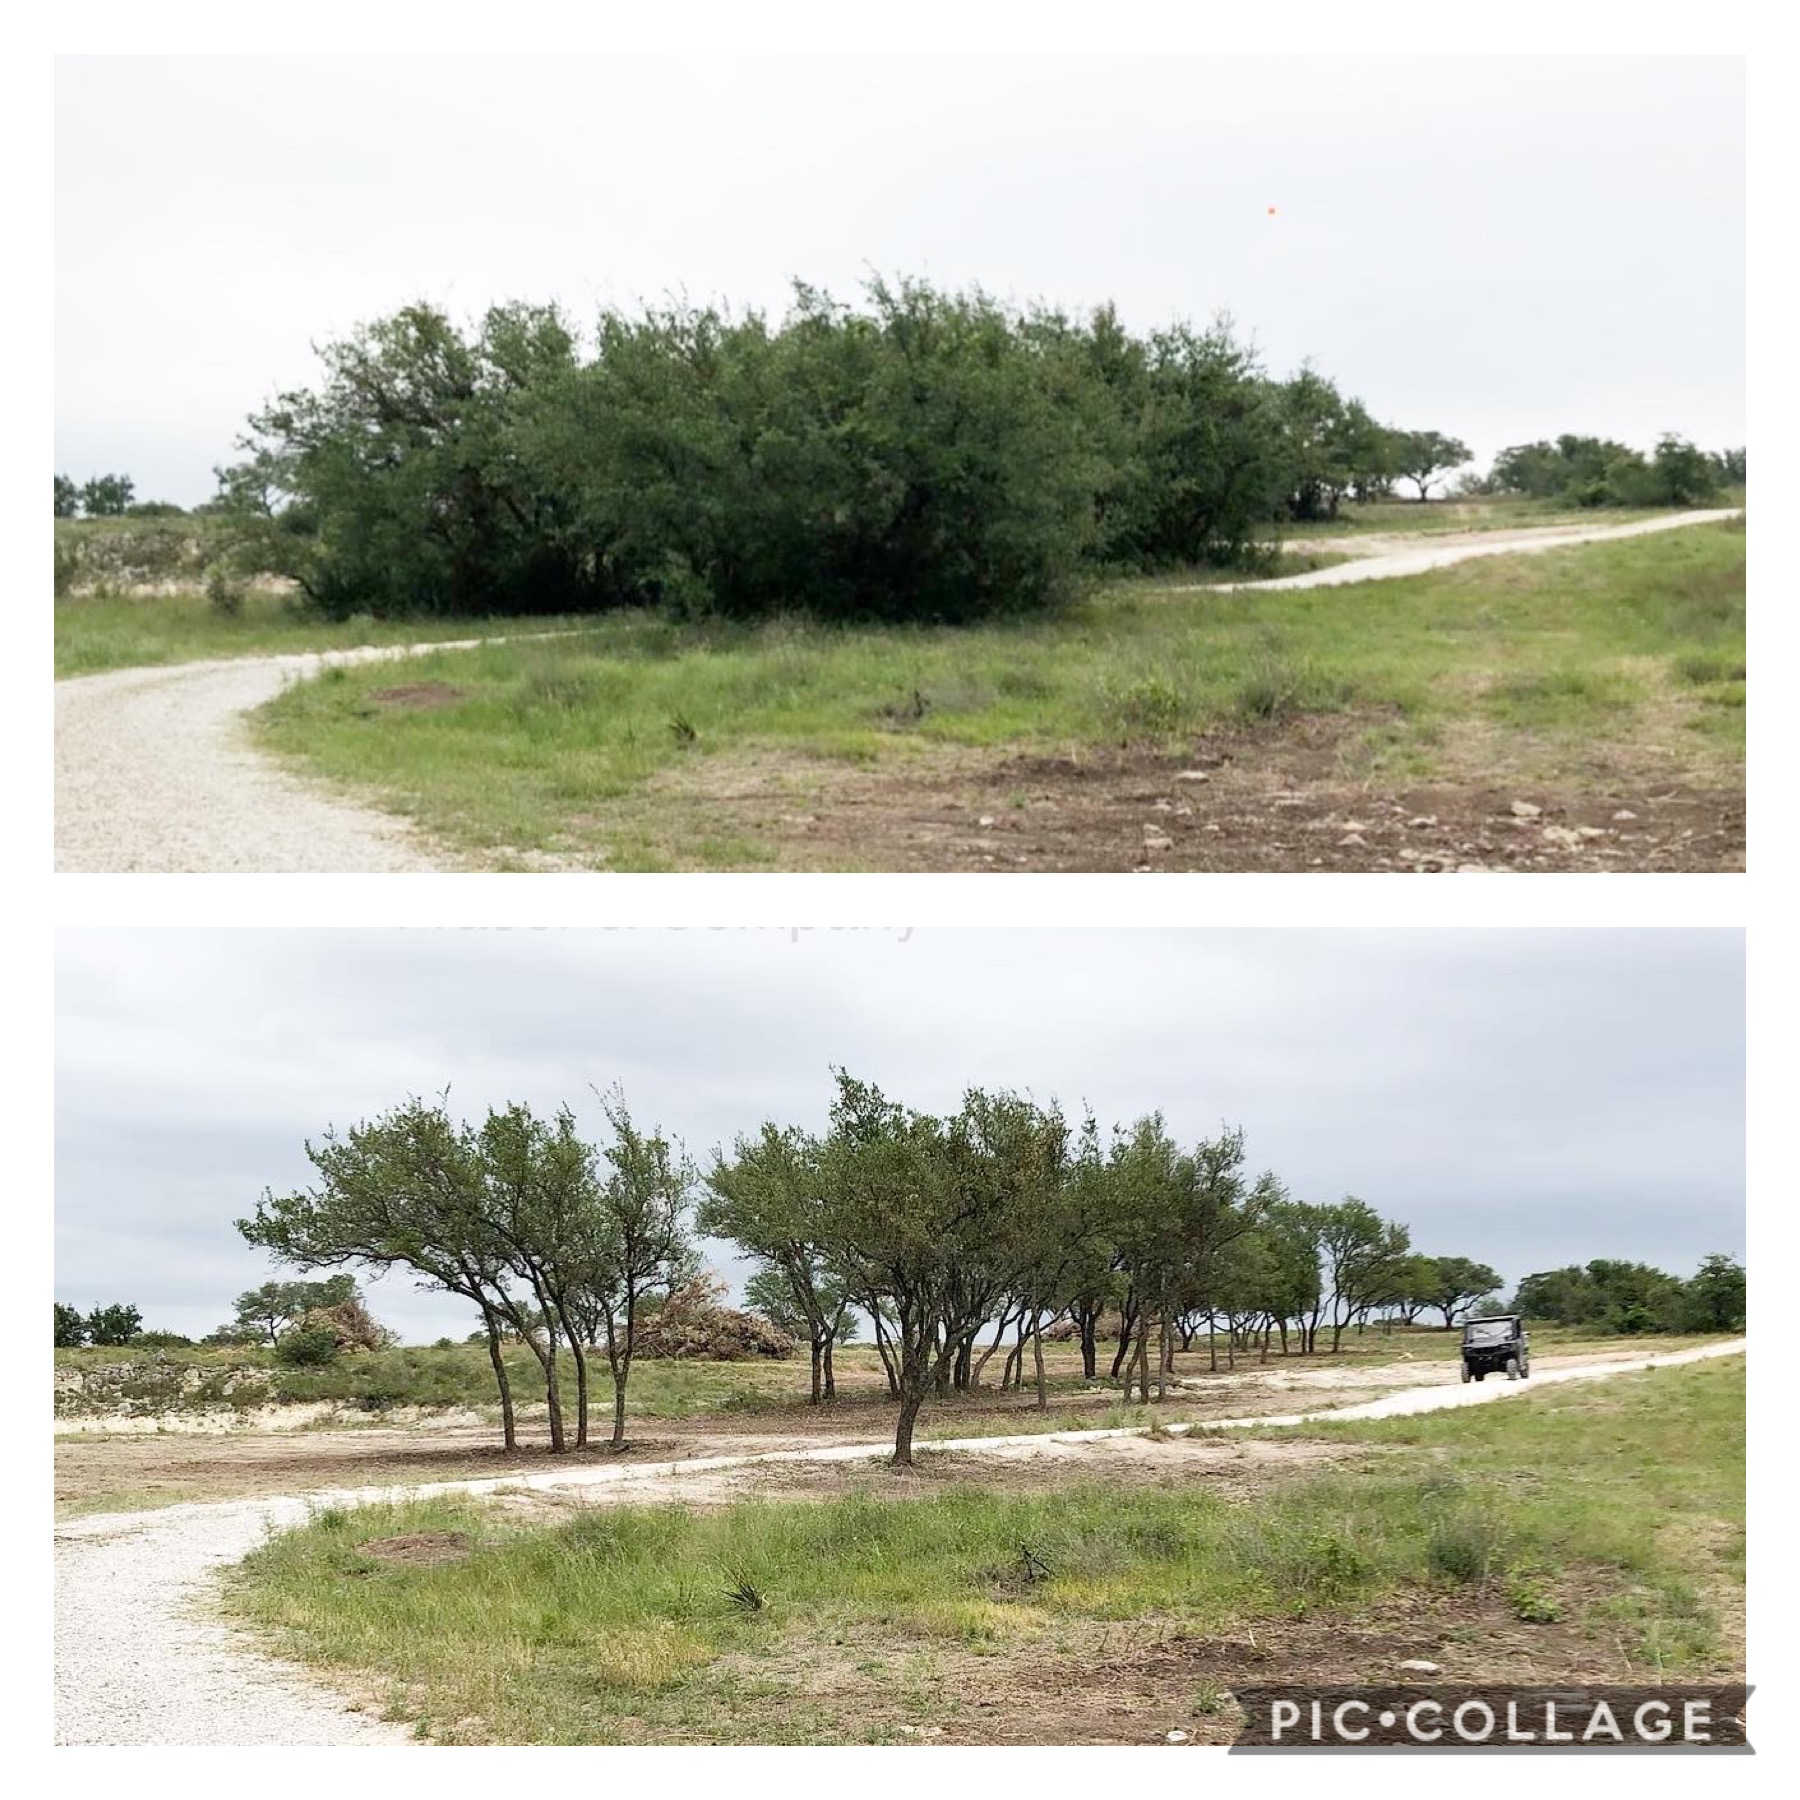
x=1495, y=1346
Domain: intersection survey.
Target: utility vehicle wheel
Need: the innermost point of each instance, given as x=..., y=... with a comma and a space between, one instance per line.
x=1525, y=1366
x=1465, y=1371
x=1481, y=1374
x=1512, y=1368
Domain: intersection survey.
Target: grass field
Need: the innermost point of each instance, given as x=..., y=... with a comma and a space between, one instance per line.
x=1578, y=1532
x=119, y=629
x=169, y=619
x=605, y=749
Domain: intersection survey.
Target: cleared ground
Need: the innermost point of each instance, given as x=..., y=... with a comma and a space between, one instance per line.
x=1587, y=1528
x=129, y=1461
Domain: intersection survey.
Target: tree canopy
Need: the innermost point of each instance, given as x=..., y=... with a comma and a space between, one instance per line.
x=927, y=455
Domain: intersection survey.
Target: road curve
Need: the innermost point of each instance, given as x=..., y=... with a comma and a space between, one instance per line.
x=140, y=1659
x=155, y=774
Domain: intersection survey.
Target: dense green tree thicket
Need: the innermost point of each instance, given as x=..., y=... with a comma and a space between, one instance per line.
x=1587, y=471
x=1629, y=1298
x=106, y=1325
x=929, y=455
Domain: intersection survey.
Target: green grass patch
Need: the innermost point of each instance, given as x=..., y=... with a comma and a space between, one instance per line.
x=1557, y=650
x=1620, y=1505
x=114, y=628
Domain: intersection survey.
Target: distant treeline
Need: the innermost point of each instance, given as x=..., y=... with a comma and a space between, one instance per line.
x=1628, y=1298
x=927, y=455
x=1586, y=471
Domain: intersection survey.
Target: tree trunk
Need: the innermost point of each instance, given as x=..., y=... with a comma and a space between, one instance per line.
x=909, y=1404
x=1165, y=1352
x=818, y=1371
x=508, y=1426
x=987, y=1355
x=581, y=1393
x=1089, y=1349
x=620, y=1377
x=830, y=1374
x=887, y=1356
x=1127, y=1324
x=1037, y=1352
x=553, y=1400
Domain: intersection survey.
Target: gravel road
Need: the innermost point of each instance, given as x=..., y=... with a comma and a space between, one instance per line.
x=155, y=774
x=1383, y=558
x=155, y=771
x=141, y=1660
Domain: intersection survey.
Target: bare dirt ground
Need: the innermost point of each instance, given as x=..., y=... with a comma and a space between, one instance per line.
x=129, y=1465
x=1282, y=797
x=155, y=772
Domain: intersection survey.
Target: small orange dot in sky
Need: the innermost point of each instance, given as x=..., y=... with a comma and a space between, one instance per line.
x=1271, y=212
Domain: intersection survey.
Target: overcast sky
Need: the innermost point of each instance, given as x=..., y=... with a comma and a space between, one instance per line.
x=1500, y=248
x=1528, y=1098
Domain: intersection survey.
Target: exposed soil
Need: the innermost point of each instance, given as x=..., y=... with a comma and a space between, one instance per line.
x=115, y=1471
x=420, y=696
x=1135, y=1683
x=1287, y=796
x=419, y=1547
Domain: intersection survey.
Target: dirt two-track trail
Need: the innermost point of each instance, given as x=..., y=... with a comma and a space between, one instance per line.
x=142, y=1658
x=156, y=773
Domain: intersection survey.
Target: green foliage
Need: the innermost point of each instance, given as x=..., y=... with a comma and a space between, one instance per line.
x=1626, y=1298
x=114, y=1325
x=931, y=456
x=71, y=1327
x=1600, y=472
x=1422, y=456
x=224, y=590
x=68, y=498
x=307, y=1347
x=1715, y=1299
x=105, y=496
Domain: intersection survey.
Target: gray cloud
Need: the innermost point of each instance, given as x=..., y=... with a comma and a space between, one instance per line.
x=1499, y=247
x=1526, y=1097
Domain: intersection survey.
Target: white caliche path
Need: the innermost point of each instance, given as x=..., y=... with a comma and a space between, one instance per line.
x=1383, y=558
x=140, y=1658
x=155, y=774
x=155, y=771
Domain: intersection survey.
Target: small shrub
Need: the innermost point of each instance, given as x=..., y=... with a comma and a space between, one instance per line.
x=68, y=566
x=1465, y=1548
x=307, y=1347
x=745, y=1594
x=224, y=590
x=1151, y=706
x=1530, y=1599
x=1277, y=687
